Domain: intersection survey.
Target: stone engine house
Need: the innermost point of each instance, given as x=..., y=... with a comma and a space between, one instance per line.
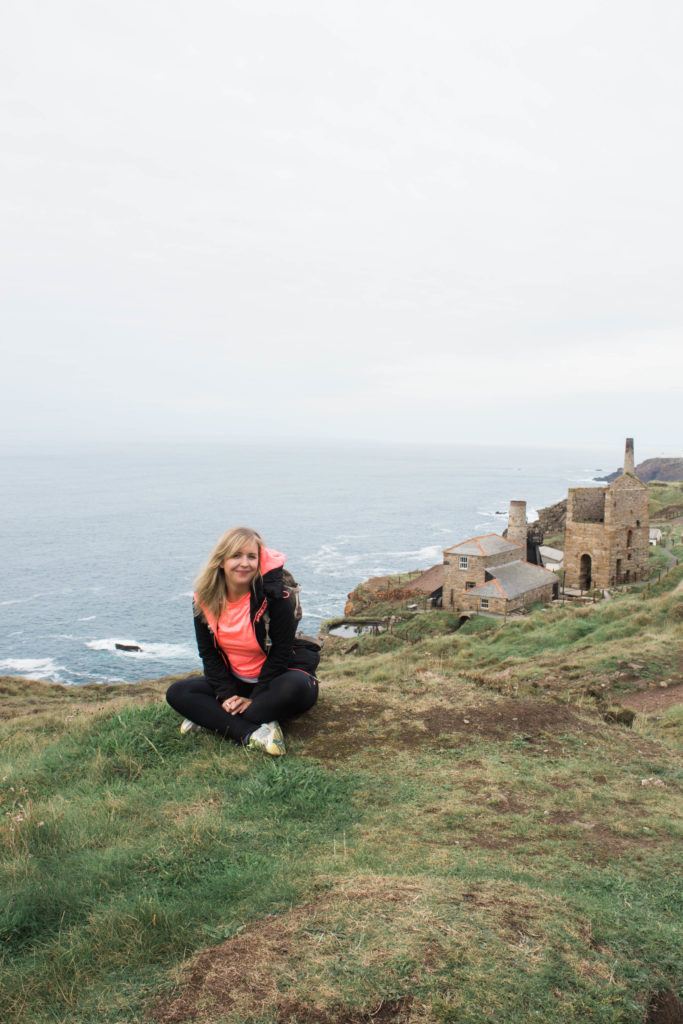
x=607, y=531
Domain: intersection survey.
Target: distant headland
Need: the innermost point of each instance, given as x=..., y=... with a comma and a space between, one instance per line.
x=667, y=470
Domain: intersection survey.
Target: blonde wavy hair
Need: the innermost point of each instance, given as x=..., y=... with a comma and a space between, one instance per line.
x=210, y=586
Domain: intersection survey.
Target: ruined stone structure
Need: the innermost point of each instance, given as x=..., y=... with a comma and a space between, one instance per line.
x=607, y=530
x=491, y=573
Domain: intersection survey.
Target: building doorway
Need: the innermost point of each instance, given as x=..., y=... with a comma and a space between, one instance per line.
x=585, y=572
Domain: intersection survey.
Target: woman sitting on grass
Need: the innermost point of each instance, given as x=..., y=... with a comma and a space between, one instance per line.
x=245, y=622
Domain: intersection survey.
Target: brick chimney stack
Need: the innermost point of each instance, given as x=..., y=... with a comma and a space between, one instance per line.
x=629, y=458
x=517, y=528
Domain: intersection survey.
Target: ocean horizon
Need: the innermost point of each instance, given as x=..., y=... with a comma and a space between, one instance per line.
x=100, y=546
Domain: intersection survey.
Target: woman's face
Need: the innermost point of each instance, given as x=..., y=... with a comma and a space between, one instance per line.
x=241, y=567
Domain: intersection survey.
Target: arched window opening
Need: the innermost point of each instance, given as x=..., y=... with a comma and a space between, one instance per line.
x=629, y=538
x=585, y=572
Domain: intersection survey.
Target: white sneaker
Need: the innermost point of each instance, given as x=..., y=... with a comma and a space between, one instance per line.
x=187, y=726
x=268, y=738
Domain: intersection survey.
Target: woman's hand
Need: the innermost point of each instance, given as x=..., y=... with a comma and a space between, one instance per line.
x=236, y=705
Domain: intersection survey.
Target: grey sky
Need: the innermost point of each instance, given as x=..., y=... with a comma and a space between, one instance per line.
x=381, y=219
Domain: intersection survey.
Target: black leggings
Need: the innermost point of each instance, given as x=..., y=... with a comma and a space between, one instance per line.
x=285, y=696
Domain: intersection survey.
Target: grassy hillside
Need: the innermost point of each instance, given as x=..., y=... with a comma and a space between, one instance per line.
x=664, y=494
x=455, y=836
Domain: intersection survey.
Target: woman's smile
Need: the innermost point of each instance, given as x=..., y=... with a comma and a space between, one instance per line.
x=241, y=568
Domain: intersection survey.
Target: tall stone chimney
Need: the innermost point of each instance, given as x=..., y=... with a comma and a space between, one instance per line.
x=629, y=458
x=517, y=529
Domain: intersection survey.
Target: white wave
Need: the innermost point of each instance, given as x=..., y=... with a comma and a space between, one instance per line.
x=531, y=513
x=33, y=668
x=431, y=551
x=182, y=597
x=329, y=561
x=152, y=651
x=20, y=600
x=87, y=618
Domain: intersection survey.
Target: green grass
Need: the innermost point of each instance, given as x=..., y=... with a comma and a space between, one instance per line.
x=124, y=847
x=663, y=494
x=443, y=841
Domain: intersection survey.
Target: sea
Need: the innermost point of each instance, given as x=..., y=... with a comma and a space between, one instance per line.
x=100, y=547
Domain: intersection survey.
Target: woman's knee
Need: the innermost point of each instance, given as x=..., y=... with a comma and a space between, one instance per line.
x=301, y=689
x=178, y=692
x=174, y=692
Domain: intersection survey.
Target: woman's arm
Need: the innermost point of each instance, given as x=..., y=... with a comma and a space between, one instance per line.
x=282, y=629
x=215, y=669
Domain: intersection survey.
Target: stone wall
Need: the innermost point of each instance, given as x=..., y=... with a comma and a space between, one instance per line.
x=618, y=547
x=586, y=504
x=543, y=593
x=499, y=605
x=585, y=539
x=473, y=604
x=455, y=578
x=628, y=523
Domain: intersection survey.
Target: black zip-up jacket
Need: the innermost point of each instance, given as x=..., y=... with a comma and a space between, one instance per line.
x=268, y=595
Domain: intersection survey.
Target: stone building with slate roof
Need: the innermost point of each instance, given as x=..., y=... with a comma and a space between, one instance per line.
x=491, y=573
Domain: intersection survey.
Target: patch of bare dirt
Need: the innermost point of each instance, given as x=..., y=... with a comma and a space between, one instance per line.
x=648, y=701
x=333, y=730
x=664, y=1008
x=495, y=838
x=530, y=720
x=598, y=842
x=515, y=916
x=244, y=973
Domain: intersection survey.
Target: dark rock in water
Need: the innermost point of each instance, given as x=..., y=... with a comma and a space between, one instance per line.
x=127, y=647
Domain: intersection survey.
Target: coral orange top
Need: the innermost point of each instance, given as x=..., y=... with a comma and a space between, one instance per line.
x=235, y=634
